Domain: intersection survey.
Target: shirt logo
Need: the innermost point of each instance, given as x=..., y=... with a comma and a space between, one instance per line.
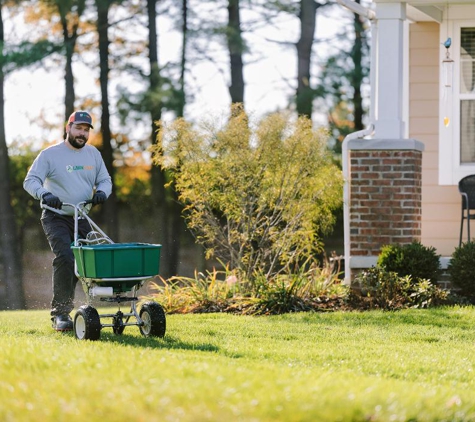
x=70, y=168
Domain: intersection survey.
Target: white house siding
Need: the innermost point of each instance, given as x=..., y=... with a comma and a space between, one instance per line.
x=440, y=204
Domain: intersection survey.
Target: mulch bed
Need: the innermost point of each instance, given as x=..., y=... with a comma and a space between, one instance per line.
x=246, y=307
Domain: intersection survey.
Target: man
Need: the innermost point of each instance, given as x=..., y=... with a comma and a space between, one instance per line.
x=70, y=172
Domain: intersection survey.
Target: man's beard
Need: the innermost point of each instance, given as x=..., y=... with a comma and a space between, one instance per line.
x=75, y=141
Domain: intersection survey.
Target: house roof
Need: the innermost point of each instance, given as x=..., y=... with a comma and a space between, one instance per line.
x=424, y=13
x=426, y=10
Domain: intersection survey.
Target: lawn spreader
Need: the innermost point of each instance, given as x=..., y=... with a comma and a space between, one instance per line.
x=113, y=273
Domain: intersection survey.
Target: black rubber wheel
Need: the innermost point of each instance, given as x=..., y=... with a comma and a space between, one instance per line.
x=153, y=317
x=87, y=323
x=118, y=330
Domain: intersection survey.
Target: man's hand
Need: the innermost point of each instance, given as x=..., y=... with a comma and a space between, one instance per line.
x=52, y=200
x=99, y=198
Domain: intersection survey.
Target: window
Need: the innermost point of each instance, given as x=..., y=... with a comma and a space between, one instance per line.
x=457, y=104
x=467, y=90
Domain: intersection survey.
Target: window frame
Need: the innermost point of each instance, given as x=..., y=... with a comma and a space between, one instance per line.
x=450, y=168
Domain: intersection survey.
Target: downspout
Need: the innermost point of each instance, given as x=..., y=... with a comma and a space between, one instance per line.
x=346, y=195
x=371, y=15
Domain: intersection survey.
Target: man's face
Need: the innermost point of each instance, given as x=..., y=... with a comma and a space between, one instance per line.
x=78, y=134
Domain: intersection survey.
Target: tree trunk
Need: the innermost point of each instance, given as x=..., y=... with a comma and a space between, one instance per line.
x=69, y=40
x=184, y=39
x=157, y=174
x=358, y=73
x=12, y=265
x=235, y=47
x=308, y=19
x=109, y=209
x=70, y=96
x=175, y=208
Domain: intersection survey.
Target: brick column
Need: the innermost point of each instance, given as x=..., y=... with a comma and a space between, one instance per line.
x=384, y=197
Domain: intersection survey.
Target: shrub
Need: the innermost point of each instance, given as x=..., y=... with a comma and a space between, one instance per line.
x=316, y=288
x=205, y=292
x=303, y=291
x=461, y=269
x=386, y=290
x=257, y=196
x=413, y=259
x=424, y=294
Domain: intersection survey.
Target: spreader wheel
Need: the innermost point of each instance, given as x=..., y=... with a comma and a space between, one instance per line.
x=153, y=317
x=87, y=323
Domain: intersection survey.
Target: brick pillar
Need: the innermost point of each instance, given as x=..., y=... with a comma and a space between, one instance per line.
x=384, y=197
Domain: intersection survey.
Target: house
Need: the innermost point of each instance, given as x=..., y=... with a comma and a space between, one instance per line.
x=402, y=173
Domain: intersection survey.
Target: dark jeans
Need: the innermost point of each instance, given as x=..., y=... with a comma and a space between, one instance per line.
x=59, y=230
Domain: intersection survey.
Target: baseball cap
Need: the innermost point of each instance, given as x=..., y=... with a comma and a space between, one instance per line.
x=81, y=117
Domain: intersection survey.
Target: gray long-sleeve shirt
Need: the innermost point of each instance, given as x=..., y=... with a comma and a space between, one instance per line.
x=70, y=174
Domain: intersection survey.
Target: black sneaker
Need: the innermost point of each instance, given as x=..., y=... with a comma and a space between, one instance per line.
x=62, y=323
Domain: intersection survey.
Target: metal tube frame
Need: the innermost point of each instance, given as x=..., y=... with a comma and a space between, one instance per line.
x=88, y=283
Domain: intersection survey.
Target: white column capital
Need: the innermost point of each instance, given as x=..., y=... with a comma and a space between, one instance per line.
x=391, y=11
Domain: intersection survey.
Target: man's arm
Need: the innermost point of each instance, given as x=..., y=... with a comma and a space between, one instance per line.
x=35, y=177
x=103, y=179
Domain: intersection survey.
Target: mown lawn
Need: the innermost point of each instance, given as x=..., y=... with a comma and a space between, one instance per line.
x=411, y=365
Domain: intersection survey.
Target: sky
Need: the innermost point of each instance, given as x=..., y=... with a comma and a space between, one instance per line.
x=36, y=96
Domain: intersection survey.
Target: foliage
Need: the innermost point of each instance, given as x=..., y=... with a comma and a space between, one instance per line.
x=342, y=82
x=380, y=288
x=206, y=292
x=315, y=289
x=413, y=259
x=133, y=105
x=255, y=197
x=385, y=289
x=224, y=291
x=298, y=293
x=27, y=54
x=132, y=179
x=340, y=125
x=461, y=269
x=425, y=294
x=26, y=209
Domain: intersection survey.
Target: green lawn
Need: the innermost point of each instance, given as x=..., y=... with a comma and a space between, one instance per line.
x=412, y=365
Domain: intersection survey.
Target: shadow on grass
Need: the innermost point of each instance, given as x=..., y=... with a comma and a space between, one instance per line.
x=168, y=342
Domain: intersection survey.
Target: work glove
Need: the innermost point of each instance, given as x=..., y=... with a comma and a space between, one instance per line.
x=98, y=198
x=52, y=200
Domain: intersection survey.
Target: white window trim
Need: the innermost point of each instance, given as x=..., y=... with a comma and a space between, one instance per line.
x=450, y=169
